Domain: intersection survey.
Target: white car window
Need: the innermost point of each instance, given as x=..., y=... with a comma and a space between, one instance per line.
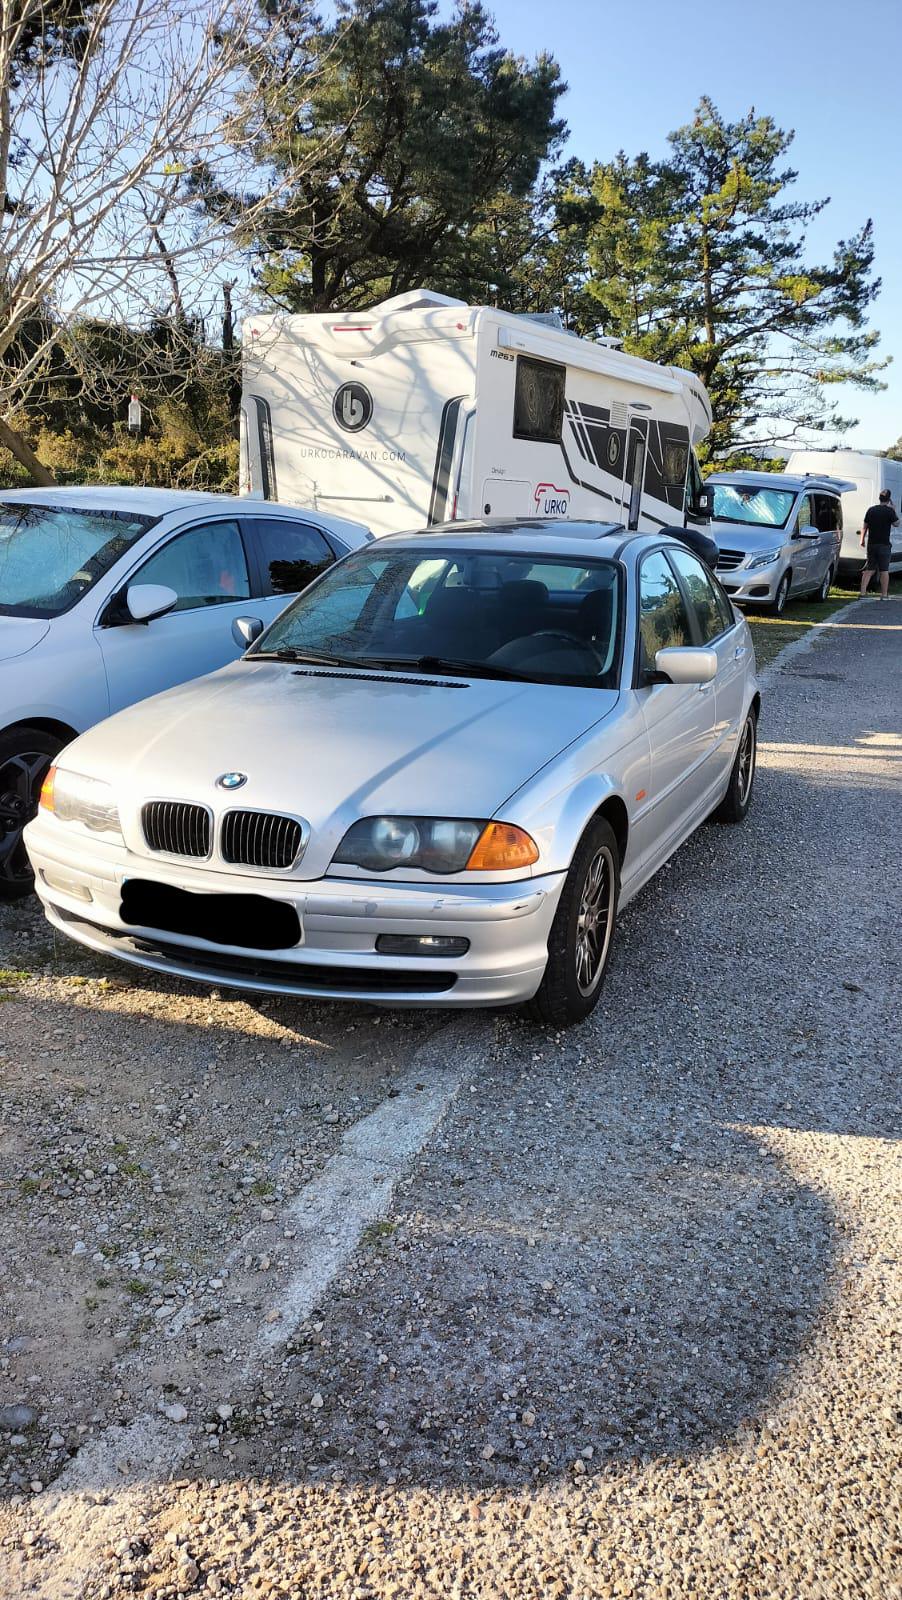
x=205, y=566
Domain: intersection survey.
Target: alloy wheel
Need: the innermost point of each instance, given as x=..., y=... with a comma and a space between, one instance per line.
x=745, y=764
x=21, y=776
x=594, y=923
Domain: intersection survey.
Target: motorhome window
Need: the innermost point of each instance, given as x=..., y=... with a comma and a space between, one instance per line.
x=675, y=463
x=539, y=401
x=51, y=555
x=492, y=614
x=752, y=505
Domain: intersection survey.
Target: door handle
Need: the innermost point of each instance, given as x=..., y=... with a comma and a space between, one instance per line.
x=739, y=652
x=704, y=688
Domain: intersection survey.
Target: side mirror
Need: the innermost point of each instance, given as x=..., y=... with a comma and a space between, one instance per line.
x=245, y=630
x=144, y=602
x=704, y=504
x=685, y=664
x=807, y=533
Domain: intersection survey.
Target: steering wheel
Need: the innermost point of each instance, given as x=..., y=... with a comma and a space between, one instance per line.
x=573, y=643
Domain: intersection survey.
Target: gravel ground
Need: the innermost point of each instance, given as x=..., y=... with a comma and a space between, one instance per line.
x=317, y=1302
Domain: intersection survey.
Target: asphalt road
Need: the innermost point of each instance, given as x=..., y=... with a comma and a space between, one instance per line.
x=312, y=1302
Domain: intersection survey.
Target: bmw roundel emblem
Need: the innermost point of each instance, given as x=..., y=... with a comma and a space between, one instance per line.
x=231, y=780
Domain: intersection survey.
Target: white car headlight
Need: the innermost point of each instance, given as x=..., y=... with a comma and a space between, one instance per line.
x=74, y=798
x=766, y=558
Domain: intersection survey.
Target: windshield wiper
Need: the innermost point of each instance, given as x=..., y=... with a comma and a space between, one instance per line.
x=467, y=669
x=302, y=657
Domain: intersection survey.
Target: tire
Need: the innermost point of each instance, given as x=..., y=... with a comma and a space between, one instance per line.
x=778, y=604
x=823, y=593
x=578, y=956
x=735, y=803
x=25, y=755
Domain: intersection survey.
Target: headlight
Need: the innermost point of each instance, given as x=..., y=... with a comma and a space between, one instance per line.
x=74, y=798
x=435, y=844
x=765, y=559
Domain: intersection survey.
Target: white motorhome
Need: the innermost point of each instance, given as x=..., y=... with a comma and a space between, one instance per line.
x=871, y=474
x=424, y=410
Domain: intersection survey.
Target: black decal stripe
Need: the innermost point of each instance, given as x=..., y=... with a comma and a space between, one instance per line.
x=267, y=453
x=441, y=475
x=579, y=433
x=603, y=493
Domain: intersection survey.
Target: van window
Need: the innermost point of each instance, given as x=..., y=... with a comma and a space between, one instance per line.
x=539, y=401
x=827, y=513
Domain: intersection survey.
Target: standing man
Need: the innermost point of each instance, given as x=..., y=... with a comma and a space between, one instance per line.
x=879, y=521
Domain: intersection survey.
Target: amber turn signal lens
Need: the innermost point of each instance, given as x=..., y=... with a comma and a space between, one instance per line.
x=46, y=796
x=501, y=847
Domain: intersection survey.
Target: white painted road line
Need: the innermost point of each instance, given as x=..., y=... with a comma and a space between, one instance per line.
x=105, y=1490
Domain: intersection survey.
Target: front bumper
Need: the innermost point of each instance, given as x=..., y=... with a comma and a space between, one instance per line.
x=751, y=588
x=80, y=882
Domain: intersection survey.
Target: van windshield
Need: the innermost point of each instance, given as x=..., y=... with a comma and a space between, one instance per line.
x=51, y=555
x=538, y=618
x=761, y=508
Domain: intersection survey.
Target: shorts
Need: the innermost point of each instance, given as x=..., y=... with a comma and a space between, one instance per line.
x=878, y=557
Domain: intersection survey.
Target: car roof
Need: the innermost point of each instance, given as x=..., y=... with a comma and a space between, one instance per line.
x=548, y=536
x=794, y=482
x=146, y=502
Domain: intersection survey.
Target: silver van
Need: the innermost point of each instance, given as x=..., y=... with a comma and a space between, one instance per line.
x=778, y=535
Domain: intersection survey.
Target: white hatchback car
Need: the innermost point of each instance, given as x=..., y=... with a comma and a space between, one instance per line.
x=108, y=595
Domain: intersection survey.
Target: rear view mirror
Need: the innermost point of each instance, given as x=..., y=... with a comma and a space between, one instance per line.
x=146, y=601
x=704, y=503
x=685, y=664
x=245, y=630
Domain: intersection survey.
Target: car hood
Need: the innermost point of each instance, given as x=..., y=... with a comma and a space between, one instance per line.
x=20, y=634
x=742, y=536
x=332, y=747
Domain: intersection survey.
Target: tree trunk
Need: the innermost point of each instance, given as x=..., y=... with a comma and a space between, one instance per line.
x=17, y=446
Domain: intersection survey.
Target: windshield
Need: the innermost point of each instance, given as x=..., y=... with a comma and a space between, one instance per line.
x=51, y=555
x=762, y=508
x=480, y=614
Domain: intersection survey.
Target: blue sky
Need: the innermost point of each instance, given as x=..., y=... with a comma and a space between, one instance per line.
x=831, y=71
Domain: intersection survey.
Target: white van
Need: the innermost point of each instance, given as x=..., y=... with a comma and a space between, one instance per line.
x=424, y=410
x=870, y=475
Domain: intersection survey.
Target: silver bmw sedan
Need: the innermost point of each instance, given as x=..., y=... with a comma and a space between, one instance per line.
x=433, y=780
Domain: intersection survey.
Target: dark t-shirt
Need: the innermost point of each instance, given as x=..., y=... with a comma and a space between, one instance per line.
x=879, y=521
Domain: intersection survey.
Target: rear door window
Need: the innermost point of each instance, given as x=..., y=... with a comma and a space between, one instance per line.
x=710, y=607
x=291, y=554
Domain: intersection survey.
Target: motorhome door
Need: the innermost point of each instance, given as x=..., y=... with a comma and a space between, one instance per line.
x=636, y=451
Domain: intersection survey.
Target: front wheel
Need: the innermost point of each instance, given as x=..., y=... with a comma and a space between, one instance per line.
x=826, y=585
x=778, y=604
x=579, y=945
x=25, y=755
x=738, y=797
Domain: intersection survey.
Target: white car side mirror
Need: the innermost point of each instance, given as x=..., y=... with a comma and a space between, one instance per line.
x=686, y=664
x=808, y=533
x=245, y=630
x=146, y=601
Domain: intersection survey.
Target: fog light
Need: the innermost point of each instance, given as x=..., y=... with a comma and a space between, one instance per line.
x=420, y=944
x=55, y=880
